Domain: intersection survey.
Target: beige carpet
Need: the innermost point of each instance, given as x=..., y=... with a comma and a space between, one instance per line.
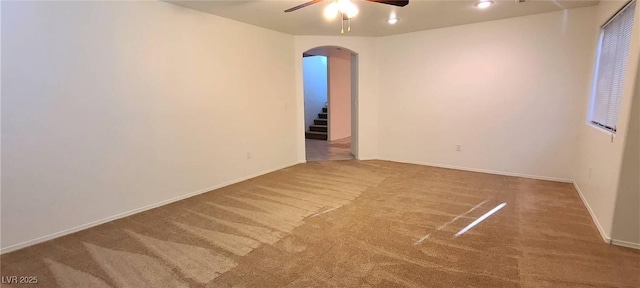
x=345, y=224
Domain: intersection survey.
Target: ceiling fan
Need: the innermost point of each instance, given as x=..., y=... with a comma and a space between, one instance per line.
x=347, y=9
x=400, y=3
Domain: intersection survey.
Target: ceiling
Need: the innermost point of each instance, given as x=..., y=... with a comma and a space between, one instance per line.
x=371, y=21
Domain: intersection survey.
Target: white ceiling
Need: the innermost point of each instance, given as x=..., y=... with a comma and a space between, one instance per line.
x=371, y=21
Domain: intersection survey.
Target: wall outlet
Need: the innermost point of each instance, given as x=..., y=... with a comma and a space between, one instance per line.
x=458, y=147
x=248, y=155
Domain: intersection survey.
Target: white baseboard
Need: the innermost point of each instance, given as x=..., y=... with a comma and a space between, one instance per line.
x=131, y=212
x=603, y=234
x=625, y=244
x=483, y=171
x=21, y=245
x=365, y=158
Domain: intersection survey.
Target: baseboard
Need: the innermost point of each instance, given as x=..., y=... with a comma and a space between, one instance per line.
x=366, y=158
x=625, y=244
x=603, y=234
x=483, y=171
x=131, y=212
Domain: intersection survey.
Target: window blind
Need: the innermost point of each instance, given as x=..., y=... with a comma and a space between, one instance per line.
x=611, y=64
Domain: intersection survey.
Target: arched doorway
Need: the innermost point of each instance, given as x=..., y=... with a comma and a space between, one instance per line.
x=330, y=84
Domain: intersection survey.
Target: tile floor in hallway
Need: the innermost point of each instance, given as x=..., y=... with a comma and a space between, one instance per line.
x=320, y=150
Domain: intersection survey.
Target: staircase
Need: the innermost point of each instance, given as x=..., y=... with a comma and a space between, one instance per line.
x=319, y=128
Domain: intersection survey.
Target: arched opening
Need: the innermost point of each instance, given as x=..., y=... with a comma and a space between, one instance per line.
x=330, y=84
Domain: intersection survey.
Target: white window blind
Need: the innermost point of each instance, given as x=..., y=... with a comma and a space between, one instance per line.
x=615, y=38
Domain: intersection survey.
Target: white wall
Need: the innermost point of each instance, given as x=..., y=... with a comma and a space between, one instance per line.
x=108, y=107
x=597, y=170
x=626, y=218
x=339, y=97
x=315, y=87
x=354, y=98
x=505, y=90
x=367, y=100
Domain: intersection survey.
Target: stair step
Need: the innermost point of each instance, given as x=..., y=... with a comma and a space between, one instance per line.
x=322, y=115
x=316, y=135
x=318, y=128
x=320, y=122
x=324, y=110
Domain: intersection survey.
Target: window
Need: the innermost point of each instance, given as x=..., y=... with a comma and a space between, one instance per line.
x=613, y=49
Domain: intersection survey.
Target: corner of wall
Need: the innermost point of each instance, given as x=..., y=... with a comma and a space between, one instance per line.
x=601, y=230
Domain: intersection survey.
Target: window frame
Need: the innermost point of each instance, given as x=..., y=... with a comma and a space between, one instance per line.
x=594, y=85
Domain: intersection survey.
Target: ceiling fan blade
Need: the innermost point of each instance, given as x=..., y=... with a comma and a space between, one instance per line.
x=400, y=3
x=302, y=5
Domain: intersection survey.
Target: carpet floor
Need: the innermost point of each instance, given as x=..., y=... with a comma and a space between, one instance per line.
x=345, y=224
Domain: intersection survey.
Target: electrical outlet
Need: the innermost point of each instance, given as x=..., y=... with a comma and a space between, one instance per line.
x=248, y=155
x=458, y=147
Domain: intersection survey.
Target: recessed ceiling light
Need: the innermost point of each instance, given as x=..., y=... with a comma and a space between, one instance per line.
x=482, y=4
x=392, y=21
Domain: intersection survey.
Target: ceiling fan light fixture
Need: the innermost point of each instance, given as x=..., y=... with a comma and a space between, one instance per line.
x=345, y=7
x=331, y=11
x=482, y=4
x=350, y=9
